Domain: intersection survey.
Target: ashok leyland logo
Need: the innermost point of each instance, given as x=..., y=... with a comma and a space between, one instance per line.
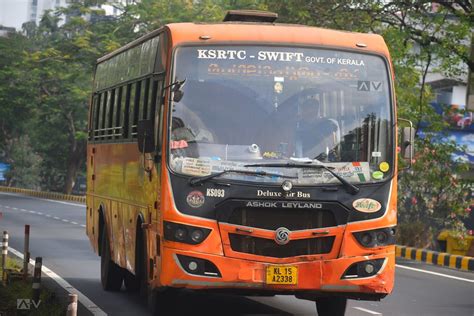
x=282, y=236
x=27, y=304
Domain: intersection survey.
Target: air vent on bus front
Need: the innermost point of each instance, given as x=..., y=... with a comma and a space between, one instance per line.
x=250, y=16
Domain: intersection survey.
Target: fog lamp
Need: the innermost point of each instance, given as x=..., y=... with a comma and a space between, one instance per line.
x=192, y=265
x=369, y=268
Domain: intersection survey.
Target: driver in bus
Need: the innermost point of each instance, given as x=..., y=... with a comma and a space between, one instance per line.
x=317, y=137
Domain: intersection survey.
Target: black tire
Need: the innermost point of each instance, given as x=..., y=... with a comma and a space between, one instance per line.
x=331, y=306
x=141, y=264
x=132, y=283
x=111, y=275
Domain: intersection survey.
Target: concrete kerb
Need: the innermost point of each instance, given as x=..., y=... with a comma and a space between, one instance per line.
x=463, y=263
x=45, y=195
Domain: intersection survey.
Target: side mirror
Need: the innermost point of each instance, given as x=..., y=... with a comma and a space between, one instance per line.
x=146, y=139
x=407, y=141
x=178, y=95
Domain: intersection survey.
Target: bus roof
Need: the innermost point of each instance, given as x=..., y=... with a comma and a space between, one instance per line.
x=269, y=33
x=274, y=33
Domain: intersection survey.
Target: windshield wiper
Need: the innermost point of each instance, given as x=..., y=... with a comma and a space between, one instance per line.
x=197, y=180
x=349, y=186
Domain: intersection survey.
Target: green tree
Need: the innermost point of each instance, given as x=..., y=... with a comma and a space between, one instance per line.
x=433, y=195
x=62, y=65
x=25, y=172
x=16, y=96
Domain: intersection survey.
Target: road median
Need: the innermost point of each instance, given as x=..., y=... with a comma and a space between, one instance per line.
x=45, y=195
x=463, y=263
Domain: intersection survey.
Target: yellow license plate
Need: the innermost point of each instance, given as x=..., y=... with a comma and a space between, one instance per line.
x=277, y=274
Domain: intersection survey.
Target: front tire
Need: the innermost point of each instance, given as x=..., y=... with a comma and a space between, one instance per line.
x=331, y=306
x=111, y=275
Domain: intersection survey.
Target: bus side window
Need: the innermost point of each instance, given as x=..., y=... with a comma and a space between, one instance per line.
x=160, y=120
x=144, y=114
x=102, y=113
x=110, y=114
x=95, y=119
x=126, y=112
x=117, y=112
x=136, y=107
x=153, y=98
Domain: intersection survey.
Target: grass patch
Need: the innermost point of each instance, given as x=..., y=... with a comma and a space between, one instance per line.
x=16, y=289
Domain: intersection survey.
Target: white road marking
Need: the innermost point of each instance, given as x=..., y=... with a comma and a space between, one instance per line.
x=35, y=198
x=367, y=310
x=47, y=215
x=94, y=309
x=435, y=273
x=83, y=225
x=62, y=202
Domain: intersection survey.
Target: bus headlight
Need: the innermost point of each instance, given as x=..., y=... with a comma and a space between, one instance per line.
x=197, y=235
x=180, y=234
x=376, y=238
x=185, y=233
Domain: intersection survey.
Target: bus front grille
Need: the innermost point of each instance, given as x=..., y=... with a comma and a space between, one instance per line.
x=292, y=219
x=269, y=248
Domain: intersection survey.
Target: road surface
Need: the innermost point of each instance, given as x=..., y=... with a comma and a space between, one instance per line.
x=58, y=235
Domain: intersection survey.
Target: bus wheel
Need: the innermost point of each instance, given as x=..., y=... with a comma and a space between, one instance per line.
x=331, y=306
x=131, y=281
x=111, y=275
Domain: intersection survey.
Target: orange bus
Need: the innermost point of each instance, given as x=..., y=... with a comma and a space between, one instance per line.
x=247, y=157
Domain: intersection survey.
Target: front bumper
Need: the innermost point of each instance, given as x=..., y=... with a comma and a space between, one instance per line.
x=315, y=277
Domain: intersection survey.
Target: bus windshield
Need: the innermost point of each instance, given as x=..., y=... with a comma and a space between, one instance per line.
x=246, y=105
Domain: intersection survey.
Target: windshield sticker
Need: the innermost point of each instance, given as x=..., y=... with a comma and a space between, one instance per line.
x=278, y=87
x=377, y=175
x=195, y=199
x=366, y=205
x=178, y=144
x=196, y=167
x=271, y=155
x=384, y=166
x=352, y=172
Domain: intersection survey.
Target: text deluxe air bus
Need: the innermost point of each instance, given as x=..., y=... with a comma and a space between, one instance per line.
x=248, y=157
